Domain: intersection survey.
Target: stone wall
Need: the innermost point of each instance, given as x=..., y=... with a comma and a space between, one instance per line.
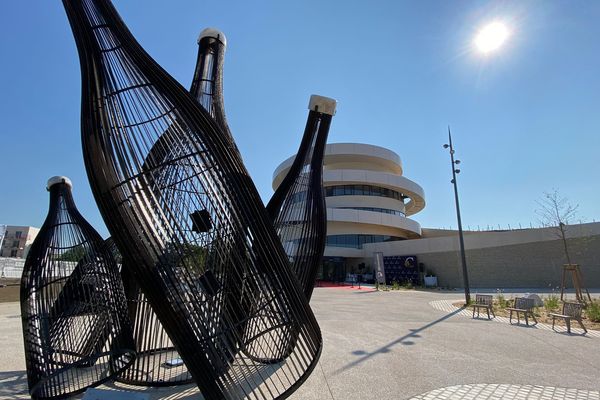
x=526, y=265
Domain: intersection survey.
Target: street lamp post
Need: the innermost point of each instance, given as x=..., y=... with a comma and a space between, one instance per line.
x=455, y=171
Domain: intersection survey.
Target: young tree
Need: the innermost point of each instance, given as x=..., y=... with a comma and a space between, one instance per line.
x=555, y=212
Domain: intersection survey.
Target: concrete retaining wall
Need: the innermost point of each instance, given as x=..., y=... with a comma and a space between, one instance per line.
x=516, y=259
x=537, y=264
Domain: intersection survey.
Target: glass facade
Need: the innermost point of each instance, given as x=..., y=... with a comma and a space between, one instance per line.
x=356, y=241
x=375, y=209
x=362, y=190
x=354, y=190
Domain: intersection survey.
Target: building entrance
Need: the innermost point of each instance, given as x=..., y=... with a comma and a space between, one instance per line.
x=333, y=269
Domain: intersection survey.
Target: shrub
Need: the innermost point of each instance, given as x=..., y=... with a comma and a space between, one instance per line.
x=407, y=285
x=502, y=302
x=551, y=302
x=395, y=285
x=593, y=311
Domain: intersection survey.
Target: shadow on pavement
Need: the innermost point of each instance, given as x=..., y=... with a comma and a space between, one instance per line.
x=13, y=385
x=401, y=340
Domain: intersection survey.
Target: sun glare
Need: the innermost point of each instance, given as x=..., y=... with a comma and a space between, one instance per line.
x=491, y=37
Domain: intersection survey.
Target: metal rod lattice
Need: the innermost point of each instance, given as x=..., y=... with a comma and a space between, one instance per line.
x=178, y=201
x=76, y=330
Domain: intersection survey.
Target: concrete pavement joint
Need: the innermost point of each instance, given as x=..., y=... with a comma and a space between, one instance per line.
x=326, y=381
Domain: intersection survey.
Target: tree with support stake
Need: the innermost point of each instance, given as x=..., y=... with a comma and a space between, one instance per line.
x=555, y=212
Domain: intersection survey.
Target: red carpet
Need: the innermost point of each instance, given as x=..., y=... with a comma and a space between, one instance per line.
x=343, y=286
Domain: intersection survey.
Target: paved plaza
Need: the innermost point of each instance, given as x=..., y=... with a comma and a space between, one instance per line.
x=402, y=345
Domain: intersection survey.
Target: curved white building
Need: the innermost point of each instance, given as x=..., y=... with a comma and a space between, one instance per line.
x=368, y=199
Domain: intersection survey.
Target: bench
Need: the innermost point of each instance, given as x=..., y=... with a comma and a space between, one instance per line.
x=522, y=306
x=569, y=311
x=483, y=301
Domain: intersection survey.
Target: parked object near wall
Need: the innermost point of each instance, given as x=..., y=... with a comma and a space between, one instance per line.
x=178, y=201
x=430, y=281
x=75, y=325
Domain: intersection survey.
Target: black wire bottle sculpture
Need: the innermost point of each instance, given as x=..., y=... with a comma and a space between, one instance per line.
x=157, y=361
x=179, y=202
x=298, y=205
x=207, y=85
x=75, y=326
x=207, y=88
x=298, y=212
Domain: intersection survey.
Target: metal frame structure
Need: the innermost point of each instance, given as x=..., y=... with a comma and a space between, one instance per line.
x=157, y=361
x=179, y=202
x=298, y=205
x=207, y=85
x=75, y=326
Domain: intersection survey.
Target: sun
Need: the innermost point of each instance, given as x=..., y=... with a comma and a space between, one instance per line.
x=491, y=37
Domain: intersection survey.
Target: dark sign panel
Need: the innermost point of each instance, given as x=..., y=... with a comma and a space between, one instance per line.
x=401, y=269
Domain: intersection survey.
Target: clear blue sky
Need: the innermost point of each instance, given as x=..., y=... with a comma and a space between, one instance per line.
x=525, y=120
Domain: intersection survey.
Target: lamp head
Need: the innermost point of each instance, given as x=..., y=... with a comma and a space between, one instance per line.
x=446, y=146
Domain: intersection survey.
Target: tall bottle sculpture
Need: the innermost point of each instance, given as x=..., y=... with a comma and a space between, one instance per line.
x=75, y=325
x=207, y=89
x=158, y=362
x=187, y=215
x=298, y=205
x=297, y=208
x=207, y=85
x=298, y=213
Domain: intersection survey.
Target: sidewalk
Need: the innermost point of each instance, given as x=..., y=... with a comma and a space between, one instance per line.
x=395, y=345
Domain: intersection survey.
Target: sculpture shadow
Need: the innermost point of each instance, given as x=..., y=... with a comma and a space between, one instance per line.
x=414, y=333
x=362, y=291
x=13, y=385
x=184, y=392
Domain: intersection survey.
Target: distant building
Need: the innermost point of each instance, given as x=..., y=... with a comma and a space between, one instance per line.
x=2, y=232
x=368, y=201
x=17, y=240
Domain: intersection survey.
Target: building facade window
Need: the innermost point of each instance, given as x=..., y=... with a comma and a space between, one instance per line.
x=375, y=209
x=356, y=241
x=18, y=234
x=363, y=190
